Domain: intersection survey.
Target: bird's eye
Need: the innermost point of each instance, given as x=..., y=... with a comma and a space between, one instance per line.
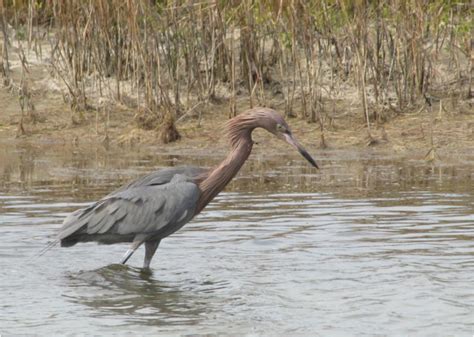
x=280, y=127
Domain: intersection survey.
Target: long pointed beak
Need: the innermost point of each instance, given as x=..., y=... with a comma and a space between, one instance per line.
x=292, y=141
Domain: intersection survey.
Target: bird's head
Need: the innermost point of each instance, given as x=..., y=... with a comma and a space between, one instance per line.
x=278, y=126
x=267, y=119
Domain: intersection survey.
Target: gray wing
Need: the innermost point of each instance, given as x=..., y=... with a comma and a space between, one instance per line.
x=148, y=209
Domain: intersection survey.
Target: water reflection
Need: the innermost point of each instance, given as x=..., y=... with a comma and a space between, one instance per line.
x=122, y=291
x=350, y=173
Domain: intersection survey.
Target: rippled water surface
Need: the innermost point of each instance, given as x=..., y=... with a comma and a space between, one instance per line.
x=368, y=246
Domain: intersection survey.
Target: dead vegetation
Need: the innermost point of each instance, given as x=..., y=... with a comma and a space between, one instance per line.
x=166, y=59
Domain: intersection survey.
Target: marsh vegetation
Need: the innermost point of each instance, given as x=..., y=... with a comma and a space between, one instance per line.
x=338, y=64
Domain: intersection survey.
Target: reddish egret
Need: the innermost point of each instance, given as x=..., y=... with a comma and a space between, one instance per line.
x=157, y=205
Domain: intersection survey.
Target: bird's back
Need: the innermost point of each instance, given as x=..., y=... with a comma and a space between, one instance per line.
x=155, y=205
x=163, y=176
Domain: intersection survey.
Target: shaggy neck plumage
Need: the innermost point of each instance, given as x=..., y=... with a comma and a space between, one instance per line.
x=239, y=131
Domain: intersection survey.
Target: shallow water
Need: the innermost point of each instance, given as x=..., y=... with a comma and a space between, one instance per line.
x=368, y=246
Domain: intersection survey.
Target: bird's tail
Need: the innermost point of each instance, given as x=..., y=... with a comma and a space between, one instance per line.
x=49, y=246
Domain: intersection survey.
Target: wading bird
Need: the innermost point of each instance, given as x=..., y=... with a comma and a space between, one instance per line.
x=157, y=205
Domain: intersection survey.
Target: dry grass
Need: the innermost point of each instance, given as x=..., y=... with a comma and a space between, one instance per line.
x=171, y=59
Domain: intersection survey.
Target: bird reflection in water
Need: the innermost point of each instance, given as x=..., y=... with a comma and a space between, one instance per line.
x=120, y=290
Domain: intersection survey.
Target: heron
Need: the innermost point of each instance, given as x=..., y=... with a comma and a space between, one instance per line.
x=149, y=209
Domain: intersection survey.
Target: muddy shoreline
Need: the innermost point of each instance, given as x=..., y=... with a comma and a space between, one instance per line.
x=408, y=135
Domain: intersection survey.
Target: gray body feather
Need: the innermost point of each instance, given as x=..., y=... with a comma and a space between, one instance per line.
x=149, y=208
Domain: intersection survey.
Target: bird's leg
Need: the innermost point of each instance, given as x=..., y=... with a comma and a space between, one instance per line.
x=135, y=244
x=150, y=249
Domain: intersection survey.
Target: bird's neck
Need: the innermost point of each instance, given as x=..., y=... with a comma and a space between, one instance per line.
x=219, y=177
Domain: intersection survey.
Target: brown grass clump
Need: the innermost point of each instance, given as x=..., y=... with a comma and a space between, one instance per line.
x=168, y=131
x=147, y=120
